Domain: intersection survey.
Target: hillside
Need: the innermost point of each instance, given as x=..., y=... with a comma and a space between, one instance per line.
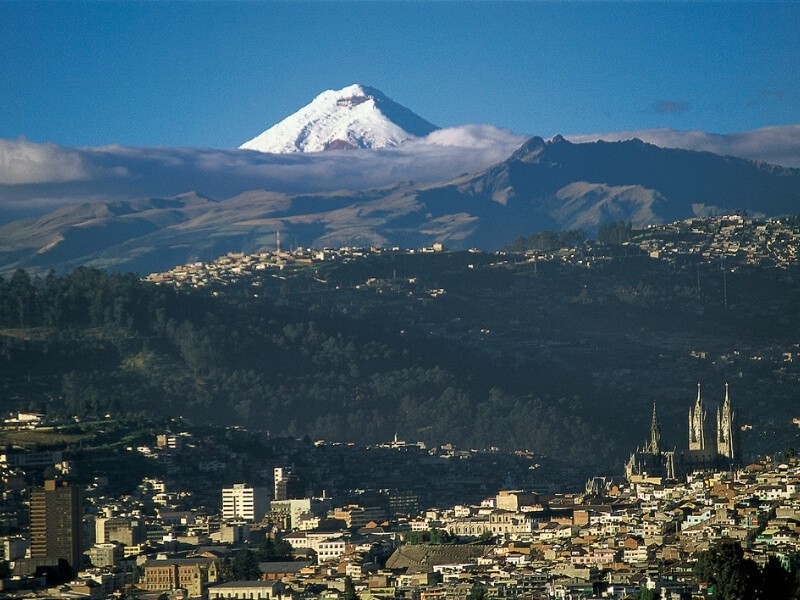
x=469, y=348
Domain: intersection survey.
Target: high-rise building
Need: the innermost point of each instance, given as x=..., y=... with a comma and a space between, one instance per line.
x=244, y=502
x=287, y=484
x=56, y=514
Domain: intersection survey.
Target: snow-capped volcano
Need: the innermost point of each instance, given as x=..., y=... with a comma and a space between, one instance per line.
x=354, y=117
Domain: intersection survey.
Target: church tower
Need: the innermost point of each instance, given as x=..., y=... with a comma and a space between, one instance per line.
x=697, y=424
x=654, y=447
x=726, y=427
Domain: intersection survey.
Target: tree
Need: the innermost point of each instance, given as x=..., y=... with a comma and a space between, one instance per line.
x=226, y=569
x=794, y=576
x=432, y=536
x=549, y=241
x=776, y=581
x=728, y=573
x=274, y=550
x=245, y=566
x=478, y=592
x=648, y=594
x=349, y=592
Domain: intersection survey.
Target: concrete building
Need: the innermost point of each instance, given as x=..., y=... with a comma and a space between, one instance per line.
x=55, y=527
x=13, y=547
x=288, y=512
x=105, y=554
x=286, y=485
x=514, y=500
x=125, y=530
x=242, y=502
x=355, y=516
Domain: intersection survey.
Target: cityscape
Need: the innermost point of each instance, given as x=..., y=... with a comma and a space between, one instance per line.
x=193, y=511
x=182, y=533
x=399, y=300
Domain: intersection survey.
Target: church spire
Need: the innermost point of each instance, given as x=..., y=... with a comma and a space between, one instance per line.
x=655, y=433
x=726, y=427
x=697, y=424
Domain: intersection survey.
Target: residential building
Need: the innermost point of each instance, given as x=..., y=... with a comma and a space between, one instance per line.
x=243, y=502
x=55, y=527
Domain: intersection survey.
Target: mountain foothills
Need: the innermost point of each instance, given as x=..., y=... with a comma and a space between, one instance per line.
x=562, y=358
x=544, y=185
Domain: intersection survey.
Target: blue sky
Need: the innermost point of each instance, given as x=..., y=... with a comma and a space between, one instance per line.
x=215, y=74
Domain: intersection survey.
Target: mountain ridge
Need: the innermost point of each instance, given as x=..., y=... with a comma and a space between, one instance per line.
x=543, y=185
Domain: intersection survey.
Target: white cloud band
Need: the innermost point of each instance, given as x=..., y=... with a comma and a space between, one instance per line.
x=776, y=145
x=35, y=177
x=23, y=162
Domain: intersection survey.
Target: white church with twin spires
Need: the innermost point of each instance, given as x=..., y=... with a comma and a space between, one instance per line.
x=651, y=462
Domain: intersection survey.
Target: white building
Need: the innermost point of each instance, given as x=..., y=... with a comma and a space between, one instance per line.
x=244, y=502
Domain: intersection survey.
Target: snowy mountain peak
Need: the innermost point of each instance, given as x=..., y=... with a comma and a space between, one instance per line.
x=357, y=116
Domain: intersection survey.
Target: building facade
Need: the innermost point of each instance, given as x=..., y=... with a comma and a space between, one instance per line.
x=286, y=484
x=191, y=574
x=55, y=527
x=244, y=502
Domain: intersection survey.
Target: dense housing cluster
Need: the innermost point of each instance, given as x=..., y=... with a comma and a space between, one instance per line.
x=179, y=534
x=733, y=240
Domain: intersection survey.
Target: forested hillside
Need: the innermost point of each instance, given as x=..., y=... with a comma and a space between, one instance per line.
x=465, y=348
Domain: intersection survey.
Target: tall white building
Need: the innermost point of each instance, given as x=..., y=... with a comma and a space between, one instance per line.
x=244, y=502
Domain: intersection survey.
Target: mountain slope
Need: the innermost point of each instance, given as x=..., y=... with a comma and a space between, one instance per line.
x=543, y=185
x=354, y=117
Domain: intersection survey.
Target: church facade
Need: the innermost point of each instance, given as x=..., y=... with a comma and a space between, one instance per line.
x=653, y=462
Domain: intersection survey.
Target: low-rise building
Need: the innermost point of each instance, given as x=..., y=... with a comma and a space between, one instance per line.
x=248, y=590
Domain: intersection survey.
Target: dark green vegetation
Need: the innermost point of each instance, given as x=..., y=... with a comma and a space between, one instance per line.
x=244, y=565
x=559, y=359
x=731, y=576
x=432, y=536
